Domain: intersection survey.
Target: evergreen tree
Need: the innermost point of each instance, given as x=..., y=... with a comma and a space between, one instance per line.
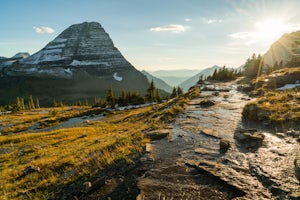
x=95, y=101
x=151, y=92
x=157, y=95
x=31, y=103
x=174, y=93
x=37, y=103
x=110, y=98
x=123, y=98
x=20, y=105
x=86, y=102
x=253, y=66
x=201, y=79
x=179, y=91
x=55, y=104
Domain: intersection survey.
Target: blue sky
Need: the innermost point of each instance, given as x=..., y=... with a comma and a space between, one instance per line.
x=156, y=34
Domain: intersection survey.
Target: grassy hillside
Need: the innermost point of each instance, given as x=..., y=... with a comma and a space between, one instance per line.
x=62, y=160
x=279, y=108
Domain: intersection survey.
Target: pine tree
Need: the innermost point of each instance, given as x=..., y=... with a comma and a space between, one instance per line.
x=179, y=91
x=151, y=92
x=19, y=106
x=86, y=102
x=37, y=103
x=31, y=103
x=157, y=95
x=110, y=97
x=253, y=66
x=174, y=93
x=55, y=104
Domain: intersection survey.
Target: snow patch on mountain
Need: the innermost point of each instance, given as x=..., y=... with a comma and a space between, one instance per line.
x=59, y=40
x=56, y=46
x=290, y=86
x=68, y=71
x=44, y=56
x=79, y=63
x=116, y=77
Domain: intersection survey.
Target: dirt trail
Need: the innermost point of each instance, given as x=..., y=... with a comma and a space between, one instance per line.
x=188, y=164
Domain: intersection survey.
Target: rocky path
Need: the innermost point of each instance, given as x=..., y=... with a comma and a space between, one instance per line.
x=189, y=164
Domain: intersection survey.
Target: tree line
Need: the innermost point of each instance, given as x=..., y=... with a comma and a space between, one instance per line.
x=21, y=104
x=133, y=98
x=111, y=100
x=253, y=67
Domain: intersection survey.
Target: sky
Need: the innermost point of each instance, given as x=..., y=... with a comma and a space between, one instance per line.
x=156, y=34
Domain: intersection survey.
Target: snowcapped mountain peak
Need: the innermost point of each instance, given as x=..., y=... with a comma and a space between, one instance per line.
x=85, y=44
x=80, y=63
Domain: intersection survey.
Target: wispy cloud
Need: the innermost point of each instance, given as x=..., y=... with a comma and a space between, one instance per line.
x=173, y=28
x=187, y=19
x=43, y=29
x=265, y=33
x=211, y=21
x=242, y=35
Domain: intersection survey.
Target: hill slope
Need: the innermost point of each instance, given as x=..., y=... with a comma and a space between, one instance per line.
x=193, y=80
x=283, y=49
x=158, y=82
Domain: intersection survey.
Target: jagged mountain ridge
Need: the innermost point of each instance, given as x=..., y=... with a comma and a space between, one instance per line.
x=283, y=49
x=80, y=63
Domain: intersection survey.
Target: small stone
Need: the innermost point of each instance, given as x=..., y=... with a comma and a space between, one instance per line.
x=148, y=147
x=86, y=186
x=158, y=134
x=83, y=135
x=31, y=169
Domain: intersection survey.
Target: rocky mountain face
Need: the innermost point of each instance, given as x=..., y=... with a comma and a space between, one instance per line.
x=82, y=62
x=283, y=49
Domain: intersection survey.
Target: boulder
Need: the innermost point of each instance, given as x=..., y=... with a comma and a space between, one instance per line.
x=158, y=134
x=249, y=138
x=224, y=145
x=297, y=166
x=207, y=103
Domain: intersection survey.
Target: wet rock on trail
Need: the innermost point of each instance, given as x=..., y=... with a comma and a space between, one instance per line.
x=249, y=138
x=204, y=156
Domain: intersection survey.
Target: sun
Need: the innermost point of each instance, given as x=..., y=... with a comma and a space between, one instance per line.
x=269, y=30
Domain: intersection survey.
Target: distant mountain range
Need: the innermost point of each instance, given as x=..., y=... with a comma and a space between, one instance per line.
x=174, y=77
x=158, y=82
x=80, y=63
x=193, y=80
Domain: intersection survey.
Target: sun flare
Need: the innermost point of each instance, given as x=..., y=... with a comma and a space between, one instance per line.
x=269, y=30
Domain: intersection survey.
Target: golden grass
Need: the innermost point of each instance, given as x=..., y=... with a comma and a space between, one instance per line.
x=73, y=155
x=279, y=107
x=21, y=121
x=276, y=79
